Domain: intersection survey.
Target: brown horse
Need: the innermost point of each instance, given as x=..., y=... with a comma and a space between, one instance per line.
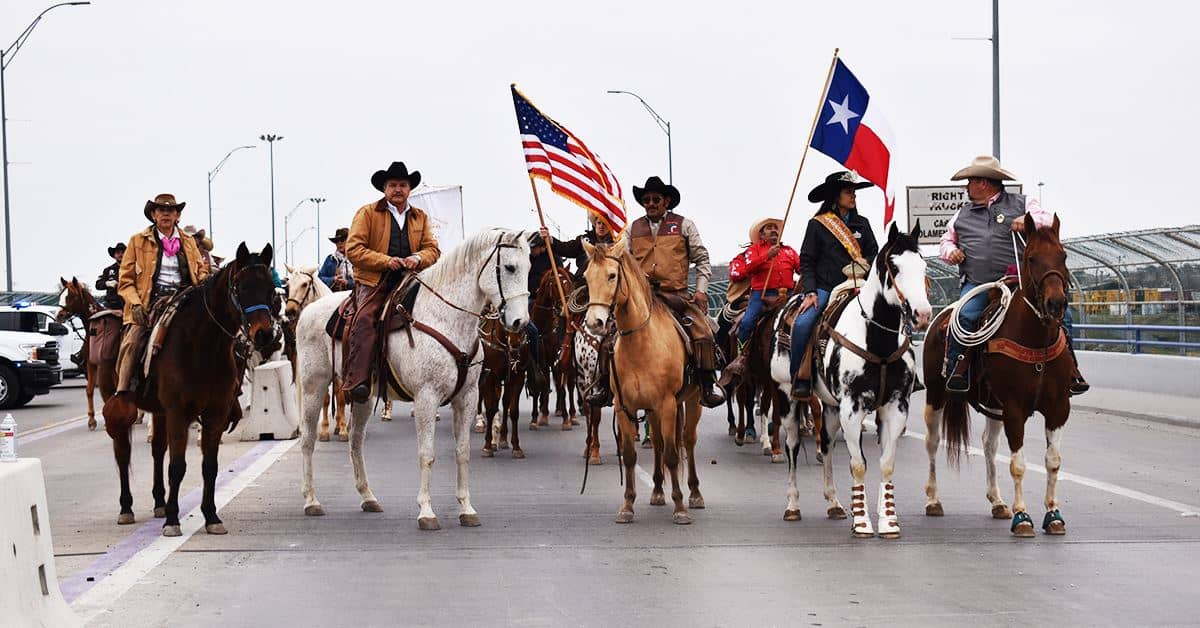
x=505, y=358
x=647, y=373
x=546, y=314
x=1025, y=368
x=197, y=375
x=101, y=373
x=756, y=388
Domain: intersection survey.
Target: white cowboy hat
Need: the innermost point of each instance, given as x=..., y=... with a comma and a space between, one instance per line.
x=984, y=166
x=755, y=236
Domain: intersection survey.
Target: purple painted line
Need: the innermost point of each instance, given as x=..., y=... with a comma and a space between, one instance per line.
x=141, y=538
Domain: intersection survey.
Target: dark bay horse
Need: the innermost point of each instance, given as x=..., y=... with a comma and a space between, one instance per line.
x=505, y=358
x=546, y=313
x=101, y=371
x=1026, y=369
x=197, y=375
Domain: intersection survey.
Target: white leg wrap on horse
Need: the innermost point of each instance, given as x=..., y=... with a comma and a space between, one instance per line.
x=861, y=525
x=887, y=509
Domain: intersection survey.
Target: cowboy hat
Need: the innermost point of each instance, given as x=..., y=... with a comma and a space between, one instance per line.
x=984, y=166
x=202, y=240
x=834, y=184
x=395, y=171
x=164, y=201
x=112, y=250
x=341, y=235
x=757, y=227
x=655, y=184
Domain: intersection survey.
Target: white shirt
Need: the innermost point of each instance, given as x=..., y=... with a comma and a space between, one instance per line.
x=168, y=268
x=398, y=214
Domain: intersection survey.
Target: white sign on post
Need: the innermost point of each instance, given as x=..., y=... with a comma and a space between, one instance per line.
x=444, y=206
x=935, y=205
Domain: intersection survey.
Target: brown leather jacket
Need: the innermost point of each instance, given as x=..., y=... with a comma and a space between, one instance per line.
x=140, y=265
x=368, y=242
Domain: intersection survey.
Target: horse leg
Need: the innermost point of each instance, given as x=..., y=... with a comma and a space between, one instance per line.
x=691, y=417
x=729, y=415
x=543, y=401
x=177, y=426
x=669, y=415
x=852, y=425
x=426, y=407
x=359, y=414
x=1014, y=429
x=891, y=430
x=933, y=435
x=461, y=407
x=323, y=434
x=210, y=444
x=571, y=386
x=628, y=433
x=764, y=434
x=121, y=432
x=314, y=400
x=90, y=374
x=831, y=426
x=486, y=404
x=657, y=496
x=1053, y=522
x=560, y=398
x=791, y=428
x=991, y=442
x=512, y=407
x=593, y=421
x=339, y=414
x=158, y=450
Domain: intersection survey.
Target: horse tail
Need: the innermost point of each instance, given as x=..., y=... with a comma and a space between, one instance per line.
x=957, y=428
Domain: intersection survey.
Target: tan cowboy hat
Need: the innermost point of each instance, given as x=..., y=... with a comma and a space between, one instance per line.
x=202, y=239
x=984, y=166
x=854, y=270
x=756, y=228
x=165, y=201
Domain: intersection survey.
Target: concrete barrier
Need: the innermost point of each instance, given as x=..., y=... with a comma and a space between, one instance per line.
x=29, y=594
x=1161, y=374
x=269, y=404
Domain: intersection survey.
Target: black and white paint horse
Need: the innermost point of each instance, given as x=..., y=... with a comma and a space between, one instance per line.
x=873, y=336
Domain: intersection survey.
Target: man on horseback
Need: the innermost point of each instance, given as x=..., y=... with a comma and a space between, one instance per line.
x=765, y=255
x=388, y=238
x=978, y=240
x=666, y=245
x=337, y=272
x=159, y=261
x=838, y=244
x=110, y=276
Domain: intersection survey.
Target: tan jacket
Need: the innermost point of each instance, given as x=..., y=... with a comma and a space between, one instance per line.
x=368, y=242
x=666, y=253
x=140, y=266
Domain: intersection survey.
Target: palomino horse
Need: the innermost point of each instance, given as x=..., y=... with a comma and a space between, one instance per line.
x=1027, y=369
x=101, y=371
x=505, y=360
x=647, y=373
x=547, y=315
x=491, y=266
x=304, y=288
x=869, y=366
x=197, y=374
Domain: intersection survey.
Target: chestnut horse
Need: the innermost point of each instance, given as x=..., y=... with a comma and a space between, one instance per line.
x=546, y=313
x=505, y=358
x=197, y=374
x=647, y=373
x=77, y=300
x=1026, y=368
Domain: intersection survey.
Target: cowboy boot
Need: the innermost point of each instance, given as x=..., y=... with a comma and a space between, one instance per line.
x=959, y=367
x=1078, y=384
x=600, y=395
x=802, y=383
x=709, y=397
x=735, y=369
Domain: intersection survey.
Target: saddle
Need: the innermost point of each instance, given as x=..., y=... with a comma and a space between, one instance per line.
x=103, y=336
x=162, y=313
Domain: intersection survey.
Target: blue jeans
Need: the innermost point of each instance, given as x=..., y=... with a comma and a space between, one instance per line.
x=968, y=318
x=753, y=311
x=802, y=328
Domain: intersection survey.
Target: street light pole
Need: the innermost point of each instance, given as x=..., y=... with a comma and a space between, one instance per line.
x=271, y=139
x=287, y=259
x=6, y=57
x=212, y=174
x=292, y=243
x=996, y=79
x=318, y=202
x=662, y=124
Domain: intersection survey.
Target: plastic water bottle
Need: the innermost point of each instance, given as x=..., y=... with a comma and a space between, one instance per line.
x=8, y=439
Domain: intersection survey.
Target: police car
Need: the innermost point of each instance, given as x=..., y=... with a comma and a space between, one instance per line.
x=26, y=316
x=29, y=359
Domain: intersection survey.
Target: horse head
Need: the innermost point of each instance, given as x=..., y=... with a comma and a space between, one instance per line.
x=607, y=282
x=252, y=292
x=901, y=271
x=505, y=280
x=1044, y=269
x=302, y=289
x=73, y=301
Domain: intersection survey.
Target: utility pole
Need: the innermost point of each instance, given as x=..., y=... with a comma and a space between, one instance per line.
x=271, y=139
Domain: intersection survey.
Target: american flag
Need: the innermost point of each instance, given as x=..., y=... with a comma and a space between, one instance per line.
x=553, y=153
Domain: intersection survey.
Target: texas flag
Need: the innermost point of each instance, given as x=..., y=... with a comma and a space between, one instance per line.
x=855, y=134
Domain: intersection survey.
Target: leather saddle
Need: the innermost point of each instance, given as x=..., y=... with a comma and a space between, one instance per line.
x=397, y=314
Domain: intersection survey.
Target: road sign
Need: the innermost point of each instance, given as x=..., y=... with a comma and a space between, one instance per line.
x=935, y=205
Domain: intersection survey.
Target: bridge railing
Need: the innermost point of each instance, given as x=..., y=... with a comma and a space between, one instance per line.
x=1139, y=338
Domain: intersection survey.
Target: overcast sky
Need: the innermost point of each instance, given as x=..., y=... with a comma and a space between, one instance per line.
x=112, y=103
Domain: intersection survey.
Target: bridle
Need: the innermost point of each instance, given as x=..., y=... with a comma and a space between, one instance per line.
x=308, y=292
x=1037, y=291
x=613, y=304
x=906, y=313
x=243, y=329
x=495, y=253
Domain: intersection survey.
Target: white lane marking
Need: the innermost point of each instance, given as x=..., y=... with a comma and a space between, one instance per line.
x=107, y=591
x=47, y=431
x=1114, y=489
x=644, y=476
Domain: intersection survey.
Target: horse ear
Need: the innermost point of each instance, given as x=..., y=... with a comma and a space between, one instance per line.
x=64, y=282
x=588, y=249
x=916, y=230
x=619, y=247
x=290, y=270
x=266, y=255
x=893, y=232
x=1055, y=226
x=242, y=254
x=1030, y=225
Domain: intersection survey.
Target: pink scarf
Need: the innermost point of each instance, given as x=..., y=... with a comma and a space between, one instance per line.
x=170, y=246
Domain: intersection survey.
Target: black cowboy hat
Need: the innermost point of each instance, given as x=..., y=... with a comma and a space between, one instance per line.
x=341, y=235
x=834, y=184
x=164, y=201
x=395, y=171
x=112, y=250
x=655, y=184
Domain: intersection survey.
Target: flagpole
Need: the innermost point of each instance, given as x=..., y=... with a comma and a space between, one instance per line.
x=549, y=249
x=811, y=131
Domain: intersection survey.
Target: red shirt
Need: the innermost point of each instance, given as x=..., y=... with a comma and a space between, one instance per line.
x=753, y=263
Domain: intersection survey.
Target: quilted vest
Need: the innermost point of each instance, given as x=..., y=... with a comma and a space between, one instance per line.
x=663, y=256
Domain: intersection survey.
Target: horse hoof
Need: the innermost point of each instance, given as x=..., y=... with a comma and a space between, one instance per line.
x=315, y=510
x=125, y=519
x=1056, y=528
x=820, y=457
x=624, y=516
x=543, y=420
x=836, y=512
x=696, y=502
x=160, y=512
x=324, y=438
x=1001, y=511
x=658, y=499
x=566, y=426
x=574, y=420
x=739, y=441
x=488, y=453
x=597, y=460
x=766, y=451
x=343, y=437
x=372, y=505
x=215, y=528
x=468, y=521
x=862, y=535
x=681, y=518
x=890, y=535
x=428, y=523
x=479, y=429
x=503, y=444
x=91, y=424
x=385, y=418
x=791, y=515
x=174, y=530
x=518, y=454
x=560, y=413
x=777, y=458
x=732, y=431
x=533, y=425
x=1023, y=530
x=934, y=510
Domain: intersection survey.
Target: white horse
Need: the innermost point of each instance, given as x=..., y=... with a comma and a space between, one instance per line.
x=491, y=266
x=304, y=287
x=893, y=298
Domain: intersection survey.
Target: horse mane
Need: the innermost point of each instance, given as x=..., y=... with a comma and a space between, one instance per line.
x=547, y=281
x=457, y=264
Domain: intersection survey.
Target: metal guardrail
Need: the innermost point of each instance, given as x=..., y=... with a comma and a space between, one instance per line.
x=1134, y=338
